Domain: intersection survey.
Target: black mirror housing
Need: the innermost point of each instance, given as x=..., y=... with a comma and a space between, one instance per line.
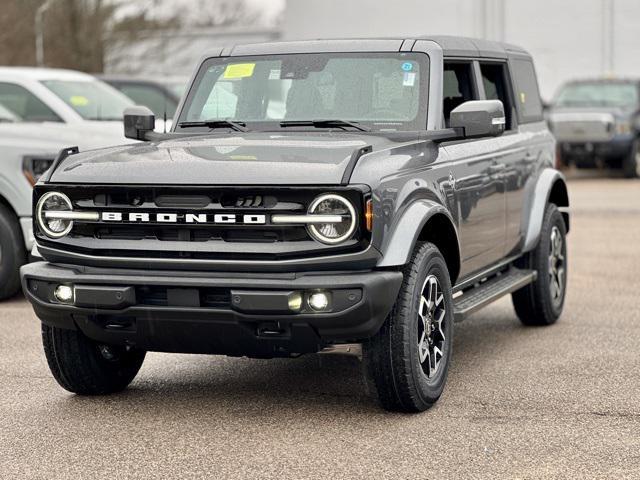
x=138, y=122
x=479, y=118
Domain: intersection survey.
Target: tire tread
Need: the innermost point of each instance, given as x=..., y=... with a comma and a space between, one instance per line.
x=13, y=253
x=78, y=367
x=389, y=370
x=532, y=303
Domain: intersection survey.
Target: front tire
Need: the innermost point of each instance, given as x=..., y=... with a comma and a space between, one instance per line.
x=12, y=254
x=85, y=367
x=541, y=302
x=407, y=361
x=631, y=163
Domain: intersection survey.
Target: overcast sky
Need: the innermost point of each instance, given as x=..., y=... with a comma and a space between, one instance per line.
x=270, y=7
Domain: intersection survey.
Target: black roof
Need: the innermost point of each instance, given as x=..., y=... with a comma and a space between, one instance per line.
x=451, y=45
x=473, y=47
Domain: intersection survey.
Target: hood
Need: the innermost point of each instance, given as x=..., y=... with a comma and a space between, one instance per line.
x=254, y=158
x=581, y=124
x=55, y=136
x=588, y=113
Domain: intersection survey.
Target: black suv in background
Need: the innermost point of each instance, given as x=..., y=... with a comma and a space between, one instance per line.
x=343, y=195
x=161, y=95
x=597, y=124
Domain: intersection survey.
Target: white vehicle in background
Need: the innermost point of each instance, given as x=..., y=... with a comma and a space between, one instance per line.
x=41, y=112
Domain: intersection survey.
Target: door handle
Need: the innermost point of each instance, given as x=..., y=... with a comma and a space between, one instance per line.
x=497, y=167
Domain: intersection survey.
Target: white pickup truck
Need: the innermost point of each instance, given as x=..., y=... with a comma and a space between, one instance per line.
x=41, y=112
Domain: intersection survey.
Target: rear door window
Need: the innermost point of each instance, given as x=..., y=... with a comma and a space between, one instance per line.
x=527, y=93
x=496, y=87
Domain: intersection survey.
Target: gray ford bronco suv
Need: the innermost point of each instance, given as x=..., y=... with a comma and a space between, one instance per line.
x=340, y=195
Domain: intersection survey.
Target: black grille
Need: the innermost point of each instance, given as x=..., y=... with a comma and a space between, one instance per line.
x=127, y=232
x=160, y=296
x=199, y=241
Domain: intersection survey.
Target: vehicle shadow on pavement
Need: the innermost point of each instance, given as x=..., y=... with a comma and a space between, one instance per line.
x=195, y=383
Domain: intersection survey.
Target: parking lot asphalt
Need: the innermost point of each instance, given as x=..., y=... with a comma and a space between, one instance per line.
x=556, y=402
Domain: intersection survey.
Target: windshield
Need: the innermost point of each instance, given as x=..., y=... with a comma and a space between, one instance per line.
x=382, y=91
x=93, y=100
x=598, y=94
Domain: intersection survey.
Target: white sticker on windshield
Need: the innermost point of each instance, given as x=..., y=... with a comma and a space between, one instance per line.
x=409, y=79
x=274, y=74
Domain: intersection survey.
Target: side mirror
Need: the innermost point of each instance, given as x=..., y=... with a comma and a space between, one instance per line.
x=479, y=118
x=138, y=121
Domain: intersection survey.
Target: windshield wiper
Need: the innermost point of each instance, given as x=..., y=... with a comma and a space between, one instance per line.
x=324, y=124
x=237, y=126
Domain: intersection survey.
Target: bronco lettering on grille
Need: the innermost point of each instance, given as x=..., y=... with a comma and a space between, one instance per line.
x=188, y=218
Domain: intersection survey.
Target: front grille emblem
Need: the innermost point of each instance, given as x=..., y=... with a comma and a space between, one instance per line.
x=183, y=218
x=253, y=201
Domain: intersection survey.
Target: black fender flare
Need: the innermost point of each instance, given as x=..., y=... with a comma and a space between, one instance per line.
x=548, y=179
x=400, y=241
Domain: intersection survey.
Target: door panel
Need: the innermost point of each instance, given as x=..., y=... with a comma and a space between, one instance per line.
x=478, y=176
x=529, y=146
x=516, y=158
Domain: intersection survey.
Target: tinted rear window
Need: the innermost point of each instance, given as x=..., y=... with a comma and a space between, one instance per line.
x=527, y=93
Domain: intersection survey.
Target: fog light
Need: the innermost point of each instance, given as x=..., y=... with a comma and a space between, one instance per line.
x=295, y=302
x=318, y=301
x=64, y=293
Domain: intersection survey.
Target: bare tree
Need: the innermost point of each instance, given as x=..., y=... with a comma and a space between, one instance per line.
x=17, y=36
x=221, y=13
x=78, y=32
x=74, y=34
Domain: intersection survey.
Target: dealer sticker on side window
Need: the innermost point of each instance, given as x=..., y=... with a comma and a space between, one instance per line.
x=409, y=79
x=79, y=101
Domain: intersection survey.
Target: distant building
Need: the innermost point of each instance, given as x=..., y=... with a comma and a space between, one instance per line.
x=567, y=38
x=176, y=53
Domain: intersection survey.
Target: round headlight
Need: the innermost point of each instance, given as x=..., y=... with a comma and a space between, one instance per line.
x=54, y=202
x=332, y=233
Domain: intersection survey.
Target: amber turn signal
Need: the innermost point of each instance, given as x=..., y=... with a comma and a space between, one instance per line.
x=368, y=215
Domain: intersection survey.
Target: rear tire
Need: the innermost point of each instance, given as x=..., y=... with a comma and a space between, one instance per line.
x=12, y=254
x=541, y=302
x=631, y=163
x=85, y=367
x=407, y=361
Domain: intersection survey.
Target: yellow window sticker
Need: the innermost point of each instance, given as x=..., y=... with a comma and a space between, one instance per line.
x=239, y=70
x=79, y=101
x=523, y=97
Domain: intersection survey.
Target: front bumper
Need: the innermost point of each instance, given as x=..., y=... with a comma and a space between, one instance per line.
x=26, y=224
x=588, y=153
x=240, y=314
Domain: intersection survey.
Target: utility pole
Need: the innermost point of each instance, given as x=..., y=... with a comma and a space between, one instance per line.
x=39, y=24
x=608, y=37
x=492, y=19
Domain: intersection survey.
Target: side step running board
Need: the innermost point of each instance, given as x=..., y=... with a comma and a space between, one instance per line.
x=490, y=290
